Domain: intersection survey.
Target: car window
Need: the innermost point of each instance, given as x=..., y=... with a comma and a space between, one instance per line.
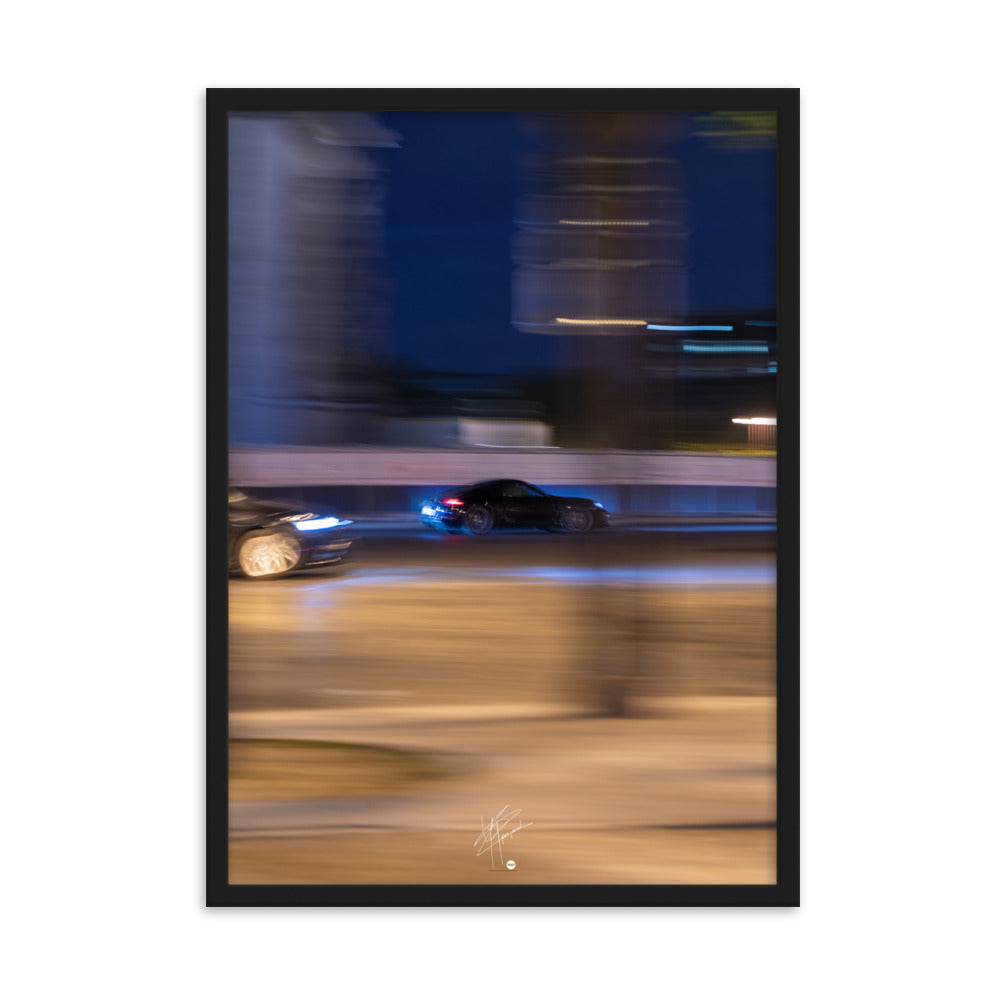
x=514, y=490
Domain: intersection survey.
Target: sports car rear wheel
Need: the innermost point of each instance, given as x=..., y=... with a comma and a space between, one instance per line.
x=479, y=521
x=265, y=555
x=576, y=520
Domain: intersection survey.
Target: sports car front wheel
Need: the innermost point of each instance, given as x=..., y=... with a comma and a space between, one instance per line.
x=265, y=555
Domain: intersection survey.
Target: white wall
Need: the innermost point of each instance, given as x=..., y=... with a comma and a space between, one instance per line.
x=386, y=467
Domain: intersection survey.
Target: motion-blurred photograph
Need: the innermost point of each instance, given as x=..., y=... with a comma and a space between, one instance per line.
x=494, y=386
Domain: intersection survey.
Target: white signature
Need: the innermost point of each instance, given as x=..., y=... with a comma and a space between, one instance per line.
x=496, y=832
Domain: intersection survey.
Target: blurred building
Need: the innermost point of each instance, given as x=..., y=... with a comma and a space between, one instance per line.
x=599, y=251
x=711, y=347
x=714, y=368
x=307, y=294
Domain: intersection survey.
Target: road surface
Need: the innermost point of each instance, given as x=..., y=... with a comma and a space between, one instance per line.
x=619, y=688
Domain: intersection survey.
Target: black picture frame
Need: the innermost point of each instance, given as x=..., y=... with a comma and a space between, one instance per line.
x=220, y=103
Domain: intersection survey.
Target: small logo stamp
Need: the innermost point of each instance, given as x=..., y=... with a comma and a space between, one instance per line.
x=495, y=832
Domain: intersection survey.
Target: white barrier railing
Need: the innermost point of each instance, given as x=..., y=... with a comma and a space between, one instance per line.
x=416, y=467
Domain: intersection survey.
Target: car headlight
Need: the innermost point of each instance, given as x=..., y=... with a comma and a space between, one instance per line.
x=318, y=523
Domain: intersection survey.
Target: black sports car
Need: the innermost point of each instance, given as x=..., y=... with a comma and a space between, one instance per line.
x=269, y=538
x=510, y=503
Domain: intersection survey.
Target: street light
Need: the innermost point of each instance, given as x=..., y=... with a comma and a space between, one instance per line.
x=760, y=436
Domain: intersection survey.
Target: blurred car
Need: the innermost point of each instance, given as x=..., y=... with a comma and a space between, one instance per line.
x=510, y=503
x=269, y=538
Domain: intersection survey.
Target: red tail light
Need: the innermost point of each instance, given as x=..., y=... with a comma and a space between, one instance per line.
x=453, y=502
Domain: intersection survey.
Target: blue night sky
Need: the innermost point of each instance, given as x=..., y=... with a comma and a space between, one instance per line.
x=452, y=189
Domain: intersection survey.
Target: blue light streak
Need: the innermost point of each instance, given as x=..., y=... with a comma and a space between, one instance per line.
x=685, y=329
x=670, y=576
x=725, y=347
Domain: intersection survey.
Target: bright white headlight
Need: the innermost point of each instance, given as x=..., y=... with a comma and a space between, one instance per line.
x=317, y=523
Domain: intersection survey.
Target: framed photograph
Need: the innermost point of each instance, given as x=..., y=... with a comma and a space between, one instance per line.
x=502, y=497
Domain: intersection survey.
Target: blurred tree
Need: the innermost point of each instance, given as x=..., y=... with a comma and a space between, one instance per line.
x=738, y=129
